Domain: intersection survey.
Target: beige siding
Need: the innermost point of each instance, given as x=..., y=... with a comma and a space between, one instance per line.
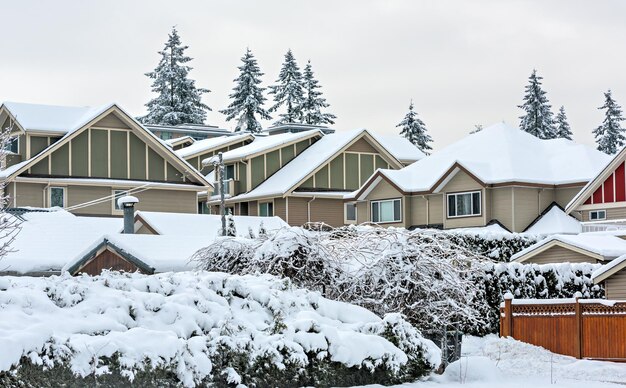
x=168, y=201
x=545, y=198
x=616, y=213
x=280, y=208
x=562, y=196
x=298, y=211
x=81, y=194
x=362, y=145
x=418, y=215
x=329, y=211
x=29, y=194
x=558, y=254
x=615, y=286
x=253, y=208
x=435, y=212
x=111, y=121
x=462, y=182
x=526, y=203
x=143, y=230
x=362, y=215
x=501, y=204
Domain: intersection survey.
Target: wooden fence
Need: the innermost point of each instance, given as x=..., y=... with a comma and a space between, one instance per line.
x=582, y=328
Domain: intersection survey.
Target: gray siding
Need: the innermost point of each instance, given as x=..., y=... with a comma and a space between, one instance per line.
x=559, y=254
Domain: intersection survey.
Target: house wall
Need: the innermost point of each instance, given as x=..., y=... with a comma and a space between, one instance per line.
x=612, y=213
x=384, y=190
x=263, y=166
x=298, y=211
x=564, y=195
x=558, y=254
x=28, y=194
x=280, y=208
x=425, y=210
x=329, y=211
x=615, y=286
x=462, y=182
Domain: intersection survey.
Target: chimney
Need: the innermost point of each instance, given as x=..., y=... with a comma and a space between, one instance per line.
x=127, y=203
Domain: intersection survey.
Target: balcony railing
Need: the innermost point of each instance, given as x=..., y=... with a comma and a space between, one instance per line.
x=229, y=185
x=604, y=226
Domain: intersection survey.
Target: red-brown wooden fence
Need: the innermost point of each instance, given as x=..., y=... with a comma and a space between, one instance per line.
x=580, y=328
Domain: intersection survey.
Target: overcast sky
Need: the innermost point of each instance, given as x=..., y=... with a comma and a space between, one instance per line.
x=462, y=62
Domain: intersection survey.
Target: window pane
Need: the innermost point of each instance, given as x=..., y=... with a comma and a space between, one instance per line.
x=56, y=197
x=229, y=172
x=386, y=211
x=475, y=203
x=396, y=210
x=375, y=217
x=350, y=212
x=263, y=210
x=463, y=204
x=451, y=206
x=270, y=209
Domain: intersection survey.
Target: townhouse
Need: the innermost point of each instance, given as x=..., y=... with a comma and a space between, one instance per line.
x=83, y=158
x=498, y=174
x=302, y=177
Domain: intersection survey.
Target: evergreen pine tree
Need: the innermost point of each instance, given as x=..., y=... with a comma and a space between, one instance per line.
x=562, y=126
x=231, y=230
x=313, y=100
x=288, y=91
x=414, y=129
x=537, y=119
x=179, y=101
x=247, y=97
x=610, y=135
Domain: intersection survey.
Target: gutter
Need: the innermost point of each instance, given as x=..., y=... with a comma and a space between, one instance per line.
x=308, y=208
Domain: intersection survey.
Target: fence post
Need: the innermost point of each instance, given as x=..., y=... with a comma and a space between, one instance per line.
x=579, y=326
x=508, y=315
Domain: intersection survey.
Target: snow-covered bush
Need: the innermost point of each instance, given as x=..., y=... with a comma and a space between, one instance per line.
x=496, y=246
x=192, y=329
x=424, y=275
x=531, y=281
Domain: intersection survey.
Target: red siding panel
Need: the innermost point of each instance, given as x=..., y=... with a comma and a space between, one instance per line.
x=620, y=184
x=608, y=190
x=597, y=195
x=588, y=201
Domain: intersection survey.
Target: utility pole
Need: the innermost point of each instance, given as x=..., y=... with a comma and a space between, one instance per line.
x=222, y=194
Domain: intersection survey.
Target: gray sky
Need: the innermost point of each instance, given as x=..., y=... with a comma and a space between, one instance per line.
x=462, y=62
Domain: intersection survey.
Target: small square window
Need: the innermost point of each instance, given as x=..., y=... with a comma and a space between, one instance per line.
x=351, y=212
x=386, y=211
x=266, y=209
x=117, y=194
x=13, y=145
x=597, y=215
x=464, y=204
x=57, y=197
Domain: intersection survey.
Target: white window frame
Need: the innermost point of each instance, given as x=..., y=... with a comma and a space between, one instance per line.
x=114, y=208
x=346, y=220
x=10, y=141
x=372, y=203
x=64, y=189
x=264, y=203
x=597, y=212
x=471, y=194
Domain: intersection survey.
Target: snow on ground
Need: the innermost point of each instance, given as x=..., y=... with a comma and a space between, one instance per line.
x=493, y=362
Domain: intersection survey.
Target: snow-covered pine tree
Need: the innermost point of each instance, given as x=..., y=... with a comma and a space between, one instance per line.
x=179, y=101
x=231, y=230
x=563, y=129
x=414, y=129
x=537, y=119
x=288, y=91
x=477, y=128
x=610, y=135
x=313, y=100
x=247, y=97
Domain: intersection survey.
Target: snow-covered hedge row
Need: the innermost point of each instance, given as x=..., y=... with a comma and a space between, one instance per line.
x=197, y=328
x=497, y=246
x=531, y=281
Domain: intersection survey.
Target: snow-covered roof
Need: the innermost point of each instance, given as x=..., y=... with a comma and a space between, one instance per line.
x=265, y=143
x=608, y=269
x=48, y=239
x=555, y=221
x=52, y=118
x=162, y=253
x=178, y=224
x=607, y=246
x=208, y=145
x=502, y=154
x=400, y=147
x=178, y=140
x=320, y=153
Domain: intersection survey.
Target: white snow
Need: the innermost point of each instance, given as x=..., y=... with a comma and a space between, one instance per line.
x=179, y=224
x=320, y=153
x=264, y=143
x=208, y=145
x=500, y=154
x=607, y=246
x=48, y=239
x=608, y=266
x=52, y=118
x=555, y=221
x=121, y=201
x=180, y=319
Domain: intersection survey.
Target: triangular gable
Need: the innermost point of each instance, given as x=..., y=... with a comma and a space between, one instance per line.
x=544, y=246
x=105, y=245
x=8, y=119
x=116, y=116
x=609, y=186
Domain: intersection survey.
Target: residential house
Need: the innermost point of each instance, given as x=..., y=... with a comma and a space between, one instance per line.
x=309, y=185
x=198, y=151
x=497, y=174
x=579, y=248
x=613, y=277
x=196, y=131
x=603, y=199
x=82, y=158
x=179, y=142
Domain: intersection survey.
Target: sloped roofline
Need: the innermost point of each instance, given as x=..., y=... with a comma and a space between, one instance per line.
x=107, y=244
x=548, y=243
x=233, y=139
x=72, y=133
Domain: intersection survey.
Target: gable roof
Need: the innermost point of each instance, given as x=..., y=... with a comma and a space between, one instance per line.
x=609, y=269
x=180, y=224
x=179, y=140
x=207, y=145
x=502, y=154
x=400, y=147
x=317, y=155
x=599, y=246
x=91, y=116
x=553, y=220
x=50, y=118
x=263, y=144
x=597, y=180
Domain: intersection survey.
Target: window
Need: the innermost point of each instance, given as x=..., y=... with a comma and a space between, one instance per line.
x=57, y=196
x=117, y=194
x=166, y=135
x=386, y=211
x=266, y=209
x=464, y=204
x=203, y=208
x=243, y=208
x=351, y=212
x=229, y=172
x=13, y=145
x=596, y=215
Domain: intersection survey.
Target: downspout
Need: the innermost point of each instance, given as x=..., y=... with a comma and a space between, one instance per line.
x=427, y=210
x=308, y=209
x=287, y=210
